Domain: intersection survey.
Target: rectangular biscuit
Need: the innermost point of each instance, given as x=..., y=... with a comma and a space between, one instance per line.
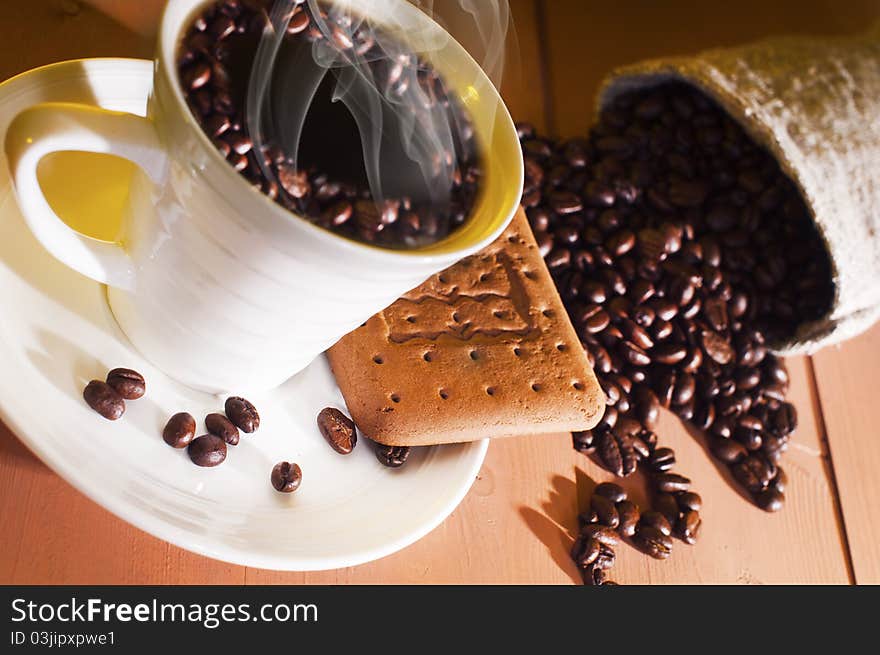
x=482, y=349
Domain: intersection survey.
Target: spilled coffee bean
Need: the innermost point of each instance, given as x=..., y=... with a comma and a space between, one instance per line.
x=221, y=426
x=391, y=456
x=127, y=383
x=180, y=430
x=338, y=430
x=207, y=451
x=242, y=414
x=104, y=399
x=286, y=477
x=695, y=251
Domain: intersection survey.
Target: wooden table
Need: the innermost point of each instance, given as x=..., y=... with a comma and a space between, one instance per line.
x=515, y=526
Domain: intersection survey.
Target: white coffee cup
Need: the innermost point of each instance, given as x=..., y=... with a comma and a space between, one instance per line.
x=213, y=282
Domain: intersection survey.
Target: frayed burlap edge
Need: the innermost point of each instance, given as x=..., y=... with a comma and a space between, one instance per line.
x=815, y=103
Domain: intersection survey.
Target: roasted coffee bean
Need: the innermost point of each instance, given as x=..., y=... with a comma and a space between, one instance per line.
x=683, y=393
x=652, y=542
x=391, y=456
x=784, y=420
x=207, y=450
x=286, y=477
x=671, y=482
x=690, y=501
x=127, y=383
x=583, y=441
x=717, y=347
x=629, y=517
x=688, y=526
x=221, y=426
x=180, y=430
x=605, y=510
x=671, y=353
x=104, y=399
x=657, y=520
x=752, y=473
x=616, y=451
x=585, y=551
x=606, y=558
x=602, y=533
x=594, y=576
x=611, y=491
x=662, y=459
x=770, y=500
x=242, y=413
x=634, y=355
x=647, y=406
x=339, y=430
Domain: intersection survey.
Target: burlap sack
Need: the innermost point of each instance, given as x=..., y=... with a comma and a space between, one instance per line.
x=815, y=103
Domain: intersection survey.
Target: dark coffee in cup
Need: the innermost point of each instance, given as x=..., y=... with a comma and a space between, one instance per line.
x=337, y=121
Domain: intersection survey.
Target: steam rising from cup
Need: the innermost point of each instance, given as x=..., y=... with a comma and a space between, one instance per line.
x=410, y=135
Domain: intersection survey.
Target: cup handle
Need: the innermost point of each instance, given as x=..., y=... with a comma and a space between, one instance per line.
x=58, y=126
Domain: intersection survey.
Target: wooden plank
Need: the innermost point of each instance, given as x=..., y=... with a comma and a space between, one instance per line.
x=52, y=534
x=739, y=543
x=588, y=39
x=845, y=377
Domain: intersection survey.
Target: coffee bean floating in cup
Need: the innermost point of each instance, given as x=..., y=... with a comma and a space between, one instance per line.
x=329, y=183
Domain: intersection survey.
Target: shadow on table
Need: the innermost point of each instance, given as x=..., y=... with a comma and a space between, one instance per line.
x=555, y=525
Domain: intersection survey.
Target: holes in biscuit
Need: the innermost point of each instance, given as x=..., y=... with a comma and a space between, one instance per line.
x=513, y=238
x=561, y=347
x=484, y=277
x=490, y=391
x=498, y=313
x=548, y=313
x=395, y=398
x=428, y=356
x=517, y=352
x=444, y=394
x=529, y=275
x=578, y=385
x=456, y=317
x=474, y=355
x=536, y=387
x=377, y=359
x=443, y=279
x=410, y=319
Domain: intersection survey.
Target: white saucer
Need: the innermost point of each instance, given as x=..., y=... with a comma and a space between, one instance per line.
x=56, y=333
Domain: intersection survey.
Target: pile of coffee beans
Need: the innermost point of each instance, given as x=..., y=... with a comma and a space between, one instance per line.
x=679, y=248
x=209, y=450
x=612, y=517
x=107, y=397
x=214, y=65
